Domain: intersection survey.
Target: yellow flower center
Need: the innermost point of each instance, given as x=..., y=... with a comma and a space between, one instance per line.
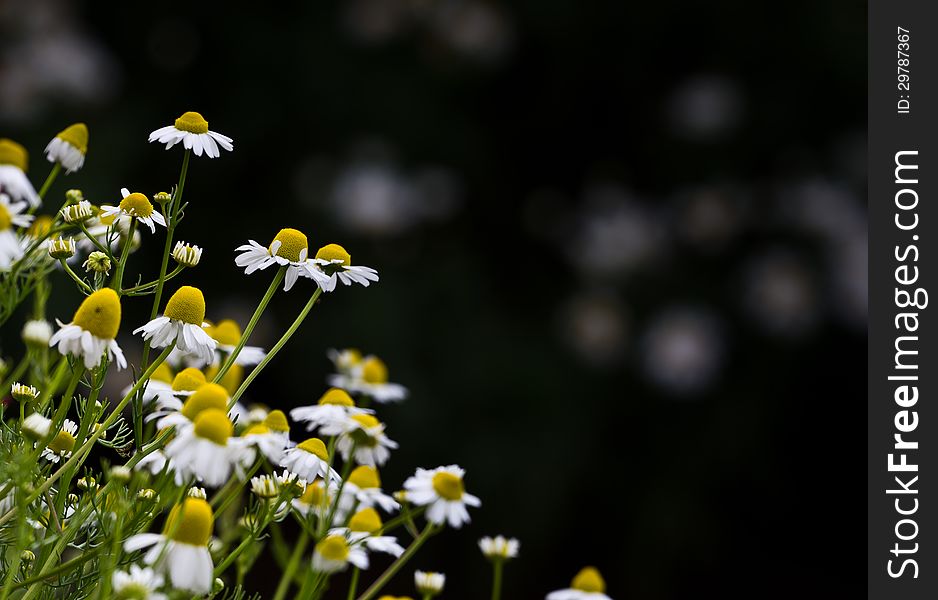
x=162, y=373
x=190, y=522
x=395, y=598
x=366, y=421
x=256, y=429
x=589, y=580
x=231, y=380
x=5, y=219
x=12, y=153
x=277, y=421
x=76, y=135
x=213, y=424
x=366, y=520
x=40, y=226
x=187, y=305
x=365, y=477
x=188, y=380
x=314, y=494
x=63, y=442
x=336, y=396
x=293, y=245
x=133, y=591
x=334, y=252
x=334, y=547
x=137, y=204
x=374, y=370
x=227, y=332
x=210, y=396
x=192, y=122
x=100, y=314
x=316, y=447
x=448, y=486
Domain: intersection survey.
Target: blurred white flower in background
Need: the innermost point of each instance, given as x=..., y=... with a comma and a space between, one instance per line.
x=595, y=325
x=705, y=108
x=779, y=292
x=682, y=350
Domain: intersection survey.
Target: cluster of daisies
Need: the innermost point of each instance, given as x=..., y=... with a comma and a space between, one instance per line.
x=198, y=481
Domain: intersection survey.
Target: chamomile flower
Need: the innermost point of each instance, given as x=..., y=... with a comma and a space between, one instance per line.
x=370, y=377
x=23, y=393
x=14, y=161
x=336, y=264
x=290, y=249
x=364, y=439
x=181, y=551
x=363, y=530
x=36, y=426
x=334, y=554
x=316, y=499
x=138, y=583
x=499, y=547
x=37, y=333
x=331, y=414
x=271, y=437
x=192, y=130
x=182, y=322
x=429, y=583
x=158, y=386
x=187, y=255
x=11, y=215
x=206, y=396
x=92, y=331
x=136, y=206
x=203, y=450
x=62, y=444
x=587, y=585
x=309, y=459
x=78, y=212
x=345, y=360
x=227, y=334
x=444, y=493
x=68, y=147
x=363, y=487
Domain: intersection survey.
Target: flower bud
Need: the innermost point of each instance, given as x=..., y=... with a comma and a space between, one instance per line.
x=37, y=333
x=23, y=393
x=162, y=197
x=98, y=262
x=121, y=474
x=74, y=196
x=187, y=255
x=77, y=213
x=27, y=556
x=61, y=249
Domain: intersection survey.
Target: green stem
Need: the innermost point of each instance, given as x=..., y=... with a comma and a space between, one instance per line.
x=398, y=564
x=140, y=290
x=287, y=576
x=14, y=375
x=271, y=290
x=125, y=253
x=65, y=567
x=497, y=566
x=101, y=247
x=273, y=351
x=84, y=286
x=49, y=180
x=353, y=585
x=231, y=557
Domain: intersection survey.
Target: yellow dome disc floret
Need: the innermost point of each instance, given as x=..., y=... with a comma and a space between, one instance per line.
x=190, y=522
x=100, y=314
x=448, y=486
x=256, y=429
x=40, y=226
x=209, y=396
x=314, y=495
x=6, y=221
x=186, y=305
x=192, y=122
x=137, y=205
x=333, y=547
x=366, y=520
x=162, y=373
x=213, y=424
x=12, y=153
x=226, y=332
x=362, y=436
x=76, y=135
x=316, y=447
x=188, y=380
x=277, y=421
x=293, y=245
x=230, y=380
x=365, y=477
x=63, y=443
x=332, y=252
x=589, y=580
x=336, y=396
x=374, y=370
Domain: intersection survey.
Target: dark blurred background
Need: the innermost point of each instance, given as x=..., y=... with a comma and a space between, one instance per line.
x=622, y=249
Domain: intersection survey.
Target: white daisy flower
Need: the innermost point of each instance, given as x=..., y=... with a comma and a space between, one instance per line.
x=345, y=360
x=334, y=554
x=331, y=414
x=14, y=161
x=499, y=547
x=61, y=446
x=192, y=130
x=363, y=529
x=37, y=333
x=206, y=396
x=336, y=264
x=316, y=499
x=227, y=334
x=429, y=583
x=78, y=212
x=290, y=248
x=138, y=583
x=156, y=462
x=265, y=487
x=309, y=459
x=68, y=147
x=271, y=437
x=363, y=489
x=183, y=322
x=587, y=585
x=136, y=206
x=159, y=385
x=36, y=426
x=370, y=377
x=11, y=215
x=444, y=493
x=22, y=392
x=203, y=450
x=92, y=331
x=187, y=255
x=181, y=551
x=365, y=435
